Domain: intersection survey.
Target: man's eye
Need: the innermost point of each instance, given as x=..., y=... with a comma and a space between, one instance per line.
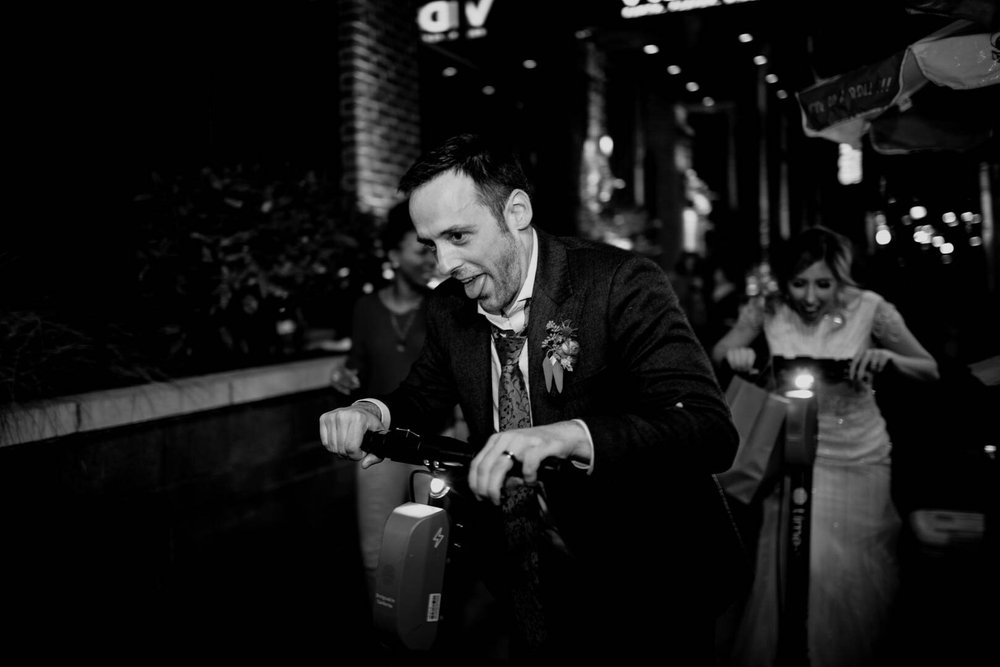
x=458, y=237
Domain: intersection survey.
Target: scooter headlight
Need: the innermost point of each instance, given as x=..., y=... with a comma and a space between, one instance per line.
x=802, y=384
x=439, y=487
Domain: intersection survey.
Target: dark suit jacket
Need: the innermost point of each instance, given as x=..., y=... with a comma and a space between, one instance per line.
x=645, y=388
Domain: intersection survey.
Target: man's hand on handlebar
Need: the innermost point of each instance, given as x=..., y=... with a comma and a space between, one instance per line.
x=342, y=430
x=529, y=446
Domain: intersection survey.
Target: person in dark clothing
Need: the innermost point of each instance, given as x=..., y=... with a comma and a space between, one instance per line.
x=619, y=388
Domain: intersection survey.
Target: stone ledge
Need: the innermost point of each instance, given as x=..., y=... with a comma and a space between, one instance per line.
x=129, y=405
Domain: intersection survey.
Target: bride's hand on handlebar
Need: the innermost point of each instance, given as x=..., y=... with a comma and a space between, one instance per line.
x=869, y=363
x=342, y=430
x=529, y=446
x=741, y=359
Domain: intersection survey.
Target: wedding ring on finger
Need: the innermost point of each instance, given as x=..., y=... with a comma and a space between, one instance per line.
x=509, y=455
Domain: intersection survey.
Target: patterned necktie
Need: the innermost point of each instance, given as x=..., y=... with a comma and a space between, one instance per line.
x=519, y=502
x=513, y=404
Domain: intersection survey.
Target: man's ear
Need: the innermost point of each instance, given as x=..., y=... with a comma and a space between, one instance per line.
x=518, y=211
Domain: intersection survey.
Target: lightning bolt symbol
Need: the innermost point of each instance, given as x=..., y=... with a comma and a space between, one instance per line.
x=438, y=536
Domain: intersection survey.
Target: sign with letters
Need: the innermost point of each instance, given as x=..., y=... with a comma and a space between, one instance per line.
x=449, y=20
x=858, y=93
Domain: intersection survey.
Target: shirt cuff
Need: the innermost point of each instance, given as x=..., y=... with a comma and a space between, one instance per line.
x=383, y=410
x=589, y=467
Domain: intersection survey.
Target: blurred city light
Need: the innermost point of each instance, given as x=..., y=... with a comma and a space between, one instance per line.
x=606, y=144
x=883, y=236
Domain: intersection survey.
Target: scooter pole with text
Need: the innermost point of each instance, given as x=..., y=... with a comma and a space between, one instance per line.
x=799, y=455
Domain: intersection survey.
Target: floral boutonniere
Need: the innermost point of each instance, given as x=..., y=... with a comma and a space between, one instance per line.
x=561, y=349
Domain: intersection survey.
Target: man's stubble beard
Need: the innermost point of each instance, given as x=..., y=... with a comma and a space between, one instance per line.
x=509, y=270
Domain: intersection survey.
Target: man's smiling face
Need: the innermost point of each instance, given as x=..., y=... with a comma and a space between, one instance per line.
x=470, y=244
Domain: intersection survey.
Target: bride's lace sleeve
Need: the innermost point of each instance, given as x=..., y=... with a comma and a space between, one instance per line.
x=887, y=324
x=751, y=316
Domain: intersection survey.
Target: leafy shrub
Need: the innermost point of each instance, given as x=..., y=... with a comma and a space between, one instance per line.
x=42, y=357
x=233, y=265
x=238, y=261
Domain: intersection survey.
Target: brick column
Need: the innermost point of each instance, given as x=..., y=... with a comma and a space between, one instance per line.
x=380, y=104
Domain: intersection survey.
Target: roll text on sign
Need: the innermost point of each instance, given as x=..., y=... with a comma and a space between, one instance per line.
x=865, y=91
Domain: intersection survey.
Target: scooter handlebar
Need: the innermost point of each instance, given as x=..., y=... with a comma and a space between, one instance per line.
x=825, y=369
x=436, y=452
x=406, y=446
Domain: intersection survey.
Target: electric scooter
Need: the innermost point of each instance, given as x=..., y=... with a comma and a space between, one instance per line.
x=421, y=539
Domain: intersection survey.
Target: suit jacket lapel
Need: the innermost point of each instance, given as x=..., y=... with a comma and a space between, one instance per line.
x=552, y=300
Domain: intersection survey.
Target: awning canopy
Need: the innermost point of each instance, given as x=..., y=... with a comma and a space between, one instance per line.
x=881, y=99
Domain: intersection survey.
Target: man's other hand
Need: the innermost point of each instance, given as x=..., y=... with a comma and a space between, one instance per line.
x=530, y=446
x=342, y=431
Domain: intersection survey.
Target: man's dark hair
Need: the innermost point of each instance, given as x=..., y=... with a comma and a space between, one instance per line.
x=397, y=224
x=492, y=166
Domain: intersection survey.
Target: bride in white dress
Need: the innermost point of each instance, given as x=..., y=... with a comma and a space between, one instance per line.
x=820, y=312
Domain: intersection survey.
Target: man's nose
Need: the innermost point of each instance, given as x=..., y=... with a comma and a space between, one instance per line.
x=447, y=261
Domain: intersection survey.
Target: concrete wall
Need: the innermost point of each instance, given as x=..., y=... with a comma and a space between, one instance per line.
x=214, y=530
